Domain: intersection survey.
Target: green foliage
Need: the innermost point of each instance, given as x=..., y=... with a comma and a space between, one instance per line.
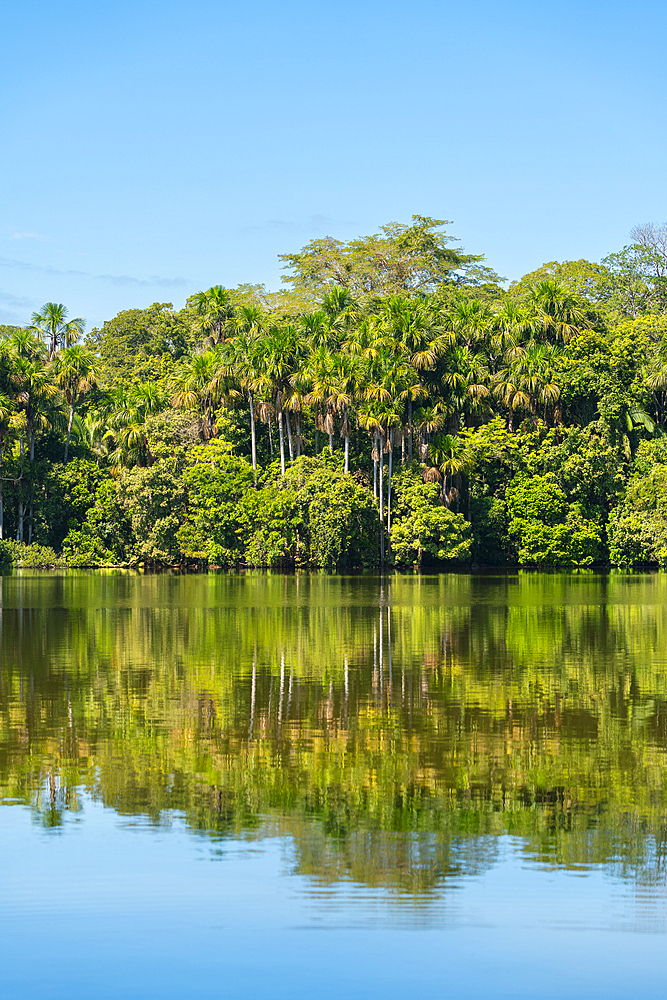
x=423, y=530
x=591, y=281
x=315, y=514
x=105, y=536
x=170, y=437
x=637, y=280
x=153, y=501
x=398, y=342
x=216, y=483
x=133, y=343
x=638, y=525
x=590, y=469
x=67, y=493
x=30, y=556
x=337, y=516
x=548, y=531
x=400, y=259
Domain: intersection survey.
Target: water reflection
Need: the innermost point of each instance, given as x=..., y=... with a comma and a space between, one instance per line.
x=391, y=729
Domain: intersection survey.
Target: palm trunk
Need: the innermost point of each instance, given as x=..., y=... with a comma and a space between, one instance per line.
x=2, y=508
x=375, y=469
x=410, y=429
x=391, y=457
x=289, y=436
x=331, y=442
x=69, y=431
x=298, y=435
x=253, y=435
x=31, y=509
x=382, y=502
x=347, y=440
x=281, y=435
x=19, y=527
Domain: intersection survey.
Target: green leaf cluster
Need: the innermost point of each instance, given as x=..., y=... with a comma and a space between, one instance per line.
x=425, y=531
x=546, y=529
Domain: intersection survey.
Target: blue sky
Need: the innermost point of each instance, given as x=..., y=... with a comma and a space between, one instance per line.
x=154, y=149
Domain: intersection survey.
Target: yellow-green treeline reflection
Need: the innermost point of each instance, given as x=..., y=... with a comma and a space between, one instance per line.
x=386, y=726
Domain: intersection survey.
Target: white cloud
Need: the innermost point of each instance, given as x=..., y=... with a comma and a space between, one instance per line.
x=30, y=235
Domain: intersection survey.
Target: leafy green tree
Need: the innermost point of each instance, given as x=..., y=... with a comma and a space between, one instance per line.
x=637, y=280
x=579, y=277
x=401, y=258
x=314, y=515
x=105, y=536
x=424, y=530
x=140, y=343
x=638, y=525
x=216, y=484
x=547, y=530
x=154, y=501
x=67, y=494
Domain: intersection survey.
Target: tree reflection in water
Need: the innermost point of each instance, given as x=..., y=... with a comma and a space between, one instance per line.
x=391, y=728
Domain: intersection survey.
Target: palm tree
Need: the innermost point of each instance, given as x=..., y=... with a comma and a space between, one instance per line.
x=472, y=322
x=452, y=458
x=215, y=309
x=333, y=380
x=51, y=325
x=429, y=420
x=418, y=332
x=276, y=353
x=200, y=383
x=527, y=380
x=512, y=326
x=9, y=421
x=76, y=373
x=94, y=431
x=129, y=408
x=35, y=389
x=559, y=315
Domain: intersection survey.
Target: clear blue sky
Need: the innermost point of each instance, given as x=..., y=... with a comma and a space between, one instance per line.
x=150, y=150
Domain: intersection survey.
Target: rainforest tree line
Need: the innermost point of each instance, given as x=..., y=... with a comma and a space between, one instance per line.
x=393, y=405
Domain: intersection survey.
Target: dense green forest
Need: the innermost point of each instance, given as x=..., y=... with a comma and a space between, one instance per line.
x=393, y=405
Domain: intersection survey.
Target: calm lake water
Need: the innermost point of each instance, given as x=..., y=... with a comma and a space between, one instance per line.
x=322, y=786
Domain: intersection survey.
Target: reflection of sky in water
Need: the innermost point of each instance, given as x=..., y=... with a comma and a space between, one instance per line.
x=113, y=906
x=317, y=786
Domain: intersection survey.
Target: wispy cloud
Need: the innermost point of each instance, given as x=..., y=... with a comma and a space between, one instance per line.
x=115, y=279
x=16, y=301
x=30, y=235
x=126, y=279
x=313, y=224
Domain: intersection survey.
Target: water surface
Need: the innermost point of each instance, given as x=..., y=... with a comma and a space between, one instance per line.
x=297, y=786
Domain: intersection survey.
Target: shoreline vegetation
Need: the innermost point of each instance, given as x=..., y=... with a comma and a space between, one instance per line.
x=393, y=406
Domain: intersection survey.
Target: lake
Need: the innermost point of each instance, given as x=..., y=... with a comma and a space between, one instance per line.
x=326, y=786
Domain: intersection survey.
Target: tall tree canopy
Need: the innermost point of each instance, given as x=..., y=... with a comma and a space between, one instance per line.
x=400, y=259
